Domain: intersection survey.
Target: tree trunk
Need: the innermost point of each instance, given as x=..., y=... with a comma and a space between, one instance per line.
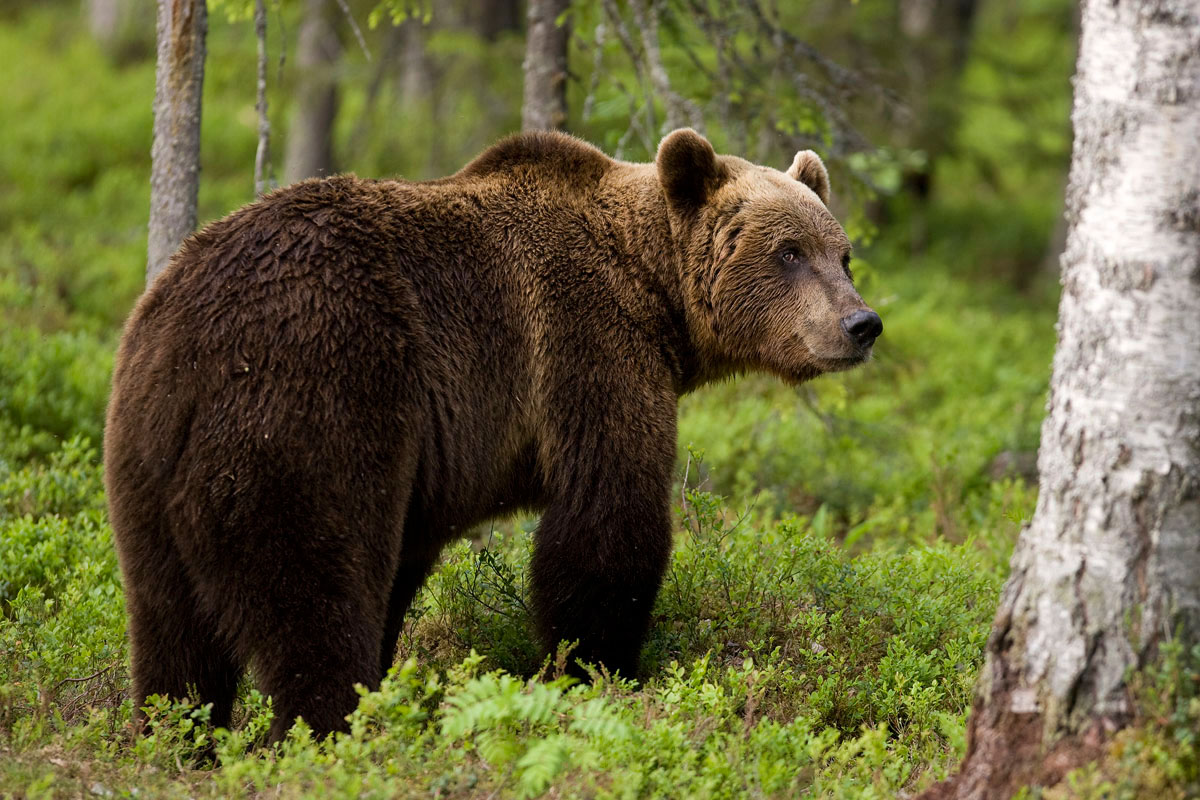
x=1110, y=565
x=105, y=19
x=545, y=106
x=416, y=76
x=940, y=23
x=121, y=27
x=938, y=38
x=175, y=153
x=263, y=178
x=310, y=136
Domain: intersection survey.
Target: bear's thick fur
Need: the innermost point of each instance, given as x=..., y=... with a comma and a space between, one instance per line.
x=328, y=385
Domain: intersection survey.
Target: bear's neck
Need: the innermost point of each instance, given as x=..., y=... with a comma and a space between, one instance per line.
x=632, y=195
x=635, y=198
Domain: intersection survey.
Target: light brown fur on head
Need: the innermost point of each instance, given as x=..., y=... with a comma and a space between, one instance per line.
x=769, y=265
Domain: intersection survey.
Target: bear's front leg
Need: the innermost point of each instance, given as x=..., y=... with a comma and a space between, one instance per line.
x=604, y=541
x=595, y=578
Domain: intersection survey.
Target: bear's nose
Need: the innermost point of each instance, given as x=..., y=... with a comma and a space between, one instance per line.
x=863, y=327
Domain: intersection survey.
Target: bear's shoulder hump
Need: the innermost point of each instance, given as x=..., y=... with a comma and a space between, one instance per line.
x=553, y=153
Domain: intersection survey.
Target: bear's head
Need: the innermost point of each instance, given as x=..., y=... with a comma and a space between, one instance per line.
x=766, y=266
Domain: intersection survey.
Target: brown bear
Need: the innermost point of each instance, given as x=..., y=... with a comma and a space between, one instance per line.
x=330, y=384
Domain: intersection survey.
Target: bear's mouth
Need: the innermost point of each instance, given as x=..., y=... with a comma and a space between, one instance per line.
x=840, y=362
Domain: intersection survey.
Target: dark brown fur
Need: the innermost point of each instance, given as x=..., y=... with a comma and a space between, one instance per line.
x=327, y=386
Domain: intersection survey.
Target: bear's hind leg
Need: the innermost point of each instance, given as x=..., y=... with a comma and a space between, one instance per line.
x=175, y=648
x=314, y=661
x=305, y=583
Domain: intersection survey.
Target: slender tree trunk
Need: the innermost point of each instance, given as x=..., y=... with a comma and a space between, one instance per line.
x=1110, y=565
x=175, y=154
x=937, y=42
x=310, y=137
x=545, y=106
x=121, y=27
x=416, y=74
x=263, y=179
x=105, y=19
x=928, y=21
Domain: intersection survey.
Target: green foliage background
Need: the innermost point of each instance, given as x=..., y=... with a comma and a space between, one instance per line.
x=840, y=547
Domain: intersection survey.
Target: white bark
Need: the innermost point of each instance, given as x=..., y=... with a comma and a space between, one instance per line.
x=263, y=179
x=545, y=102
x=175, y=153
x=105, y=18
x=1110, y=565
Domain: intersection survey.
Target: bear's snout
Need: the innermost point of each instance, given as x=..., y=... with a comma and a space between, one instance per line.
x=863, y=327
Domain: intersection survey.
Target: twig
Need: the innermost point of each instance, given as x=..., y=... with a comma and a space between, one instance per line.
x=683, y=489
x=362, y=126
x=84, y=679
x=838, y=75
x=626, y=39
x=358, y=34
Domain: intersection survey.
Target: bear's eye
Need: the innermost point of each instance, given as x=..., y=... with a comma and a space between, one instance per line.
x=846, y=266
x=790, y=257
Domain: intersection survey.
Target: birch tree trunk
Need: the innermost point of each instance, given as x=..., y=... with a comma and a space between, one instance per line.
x=310, y=135
x=545, y=104
x=416, y=72
x=105, y=19
x=1110, y=565
x=121, y=27
x=263, y=177
x=175, y=153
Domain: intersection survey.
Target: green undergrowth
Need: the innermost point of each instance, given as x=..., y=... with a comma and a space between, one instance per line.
x=779, y=665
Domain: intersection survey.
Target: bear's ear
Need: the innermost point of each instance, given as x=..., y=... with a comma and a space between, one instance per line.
x=687, y=169
x=808, y=168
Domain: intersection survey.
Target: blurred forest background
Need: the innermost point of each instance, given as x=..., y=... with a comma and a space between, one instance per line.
x=841, y=546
